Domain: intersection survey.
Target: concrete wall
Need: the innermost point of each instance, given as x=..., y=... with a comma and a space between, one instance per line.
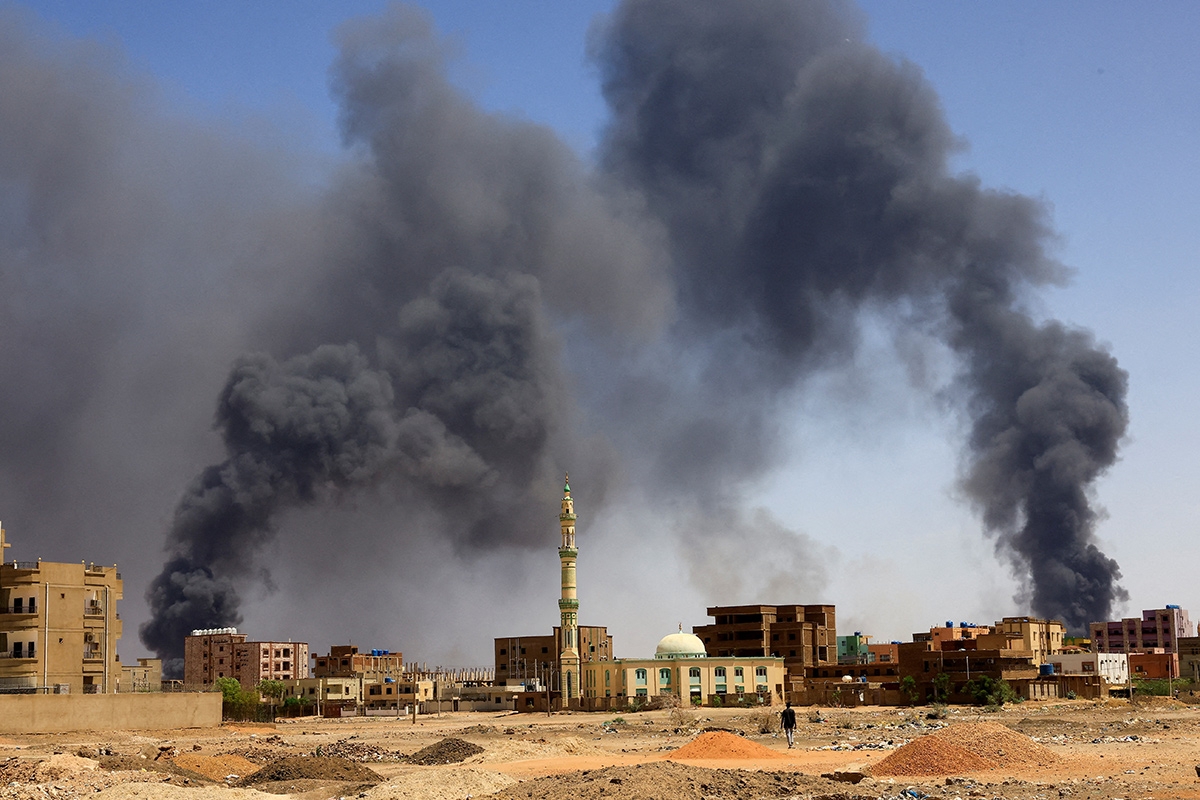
x=46, y=713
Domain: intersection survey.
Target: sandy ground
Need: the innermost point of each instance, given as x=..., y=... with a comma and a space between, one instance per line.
x=1110, y=750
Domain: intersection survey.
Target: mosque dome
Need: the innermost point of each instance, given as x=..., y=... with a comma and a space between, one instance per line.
x=680, y=645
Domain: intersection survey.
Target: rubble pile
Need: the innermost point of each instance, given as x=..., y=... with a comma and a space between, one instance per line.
x=448, y=751
x=358, y=751
x=323, y=768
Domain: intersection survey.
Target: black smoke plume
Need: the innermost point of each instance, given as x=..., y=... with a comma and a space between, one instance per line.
x=803, y=178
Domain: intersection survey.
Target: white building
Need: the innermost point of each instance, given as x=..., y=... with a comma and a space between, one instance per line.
x=1113, y=667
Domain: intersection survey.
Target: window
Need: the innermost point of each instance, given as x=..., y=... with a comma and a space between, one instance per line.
x=664, y=676
x=503, y=652
x=639, y=677
x=17, y=649
x=544, y=650
x=719, y=672
x=737, y=673
x=760, y=672
x=607, y=678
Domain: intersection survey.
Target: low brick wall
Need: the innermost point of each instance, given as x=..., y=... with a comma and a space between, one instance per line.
x=46, y=713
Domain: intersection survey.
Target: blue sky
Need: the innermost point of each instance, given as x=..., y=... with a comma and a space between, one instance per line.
x=1095, y=108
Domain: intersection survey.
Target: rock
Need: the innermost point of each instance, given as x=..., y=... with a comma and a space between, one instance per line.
x=845, y=776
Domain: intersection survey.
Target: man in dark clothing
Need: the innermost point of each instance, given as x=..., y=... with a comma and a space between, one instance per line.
x=788, y=720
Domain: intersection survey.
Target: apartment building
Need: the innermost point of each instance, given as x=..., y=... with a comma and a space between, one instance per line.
x=534, y=660
x=224, y=653
x=802, y=635
x=1158, y=628
x=1042, y=637
x=59, y=626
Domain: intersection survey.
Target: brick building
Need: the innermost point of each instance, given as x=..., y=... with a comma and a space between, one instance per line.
x=534, y=659
x=802, y=635
x=224, y=653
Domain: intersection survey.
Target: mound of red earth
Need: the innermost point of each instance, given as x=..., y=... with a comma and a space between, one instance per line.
x=322, y=768
x=722, y=744
x=447, y=751
x=966, y=747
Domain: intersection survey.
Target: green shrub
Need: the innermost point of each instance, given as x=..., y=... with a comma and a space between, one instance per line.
x=988, y=691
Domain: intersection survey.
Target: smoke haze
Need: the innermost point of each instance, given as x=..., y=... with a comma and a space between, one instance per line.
x=465, y=309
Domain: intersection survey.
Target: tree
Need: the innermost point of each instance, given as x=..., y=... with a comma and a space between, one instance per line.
x=988, y=691
x=231, y=690
x=908, y=686
x=942, y=687
x=272, y=690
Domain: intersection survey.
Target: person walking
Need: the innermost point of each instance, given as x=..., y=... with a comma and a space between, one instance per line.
x=787, y=718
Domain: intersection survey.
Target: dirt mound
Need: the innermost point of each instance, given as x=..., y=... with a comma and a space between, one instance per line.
x=448, y=751
x=218, y=767
x=667, y=779
x=322, y=768
x=966, y=747
x=61, y=765
x=721, y=744
x=450, y=783
x=998, y=743
x=930, y=755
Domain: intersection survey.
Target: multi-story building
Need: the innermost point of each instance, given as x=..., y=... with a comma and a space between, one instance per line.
x=345, y=660
x=1113, y=667
x=951, y=632
x=854, y=649
x=59, y=626
x=802, y=635
x=224, y=653
x=881, y=653
x=145, y=676
x=1042, y=637
x=1189, y=658
x=534, y=659
x=1158, y=628
x=682, y=667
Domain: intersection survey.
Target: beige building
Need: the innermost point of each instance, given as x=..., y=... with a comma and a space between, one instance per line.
x=145, y=676
x=1042, y=637
x=682, y=668
x=224, y=653
x=59, y=626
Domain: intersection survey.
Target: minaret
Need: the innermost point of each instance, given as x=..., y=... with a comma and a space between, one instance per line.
x=568, y=606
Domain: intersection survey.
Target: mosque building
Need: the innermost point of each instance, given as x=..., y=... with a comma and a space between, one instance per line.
x=682, y=668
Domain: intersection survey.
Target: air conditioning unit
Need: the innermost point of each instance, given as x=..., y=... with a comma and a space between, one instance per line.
x=62, y=688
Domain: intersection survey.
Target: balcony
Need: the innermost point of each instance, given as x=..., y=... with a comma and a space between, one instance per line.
x=22, y=610
x=93, y=653
x=93, y=610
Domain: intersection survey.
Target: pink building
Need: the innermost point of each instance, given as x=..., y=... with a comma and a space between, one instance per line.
x=1159, y=628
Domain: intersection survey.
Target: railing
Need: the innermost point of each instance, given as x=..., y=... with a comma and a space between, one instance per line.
x=93, y=610
x=25, y=564
x=91, y=688
x=21, y=609
x=93, y=654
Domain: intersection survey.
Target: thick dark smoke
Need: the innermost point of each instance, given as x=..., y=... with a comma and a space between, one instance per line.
x=803, y=176
x=466, y=308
